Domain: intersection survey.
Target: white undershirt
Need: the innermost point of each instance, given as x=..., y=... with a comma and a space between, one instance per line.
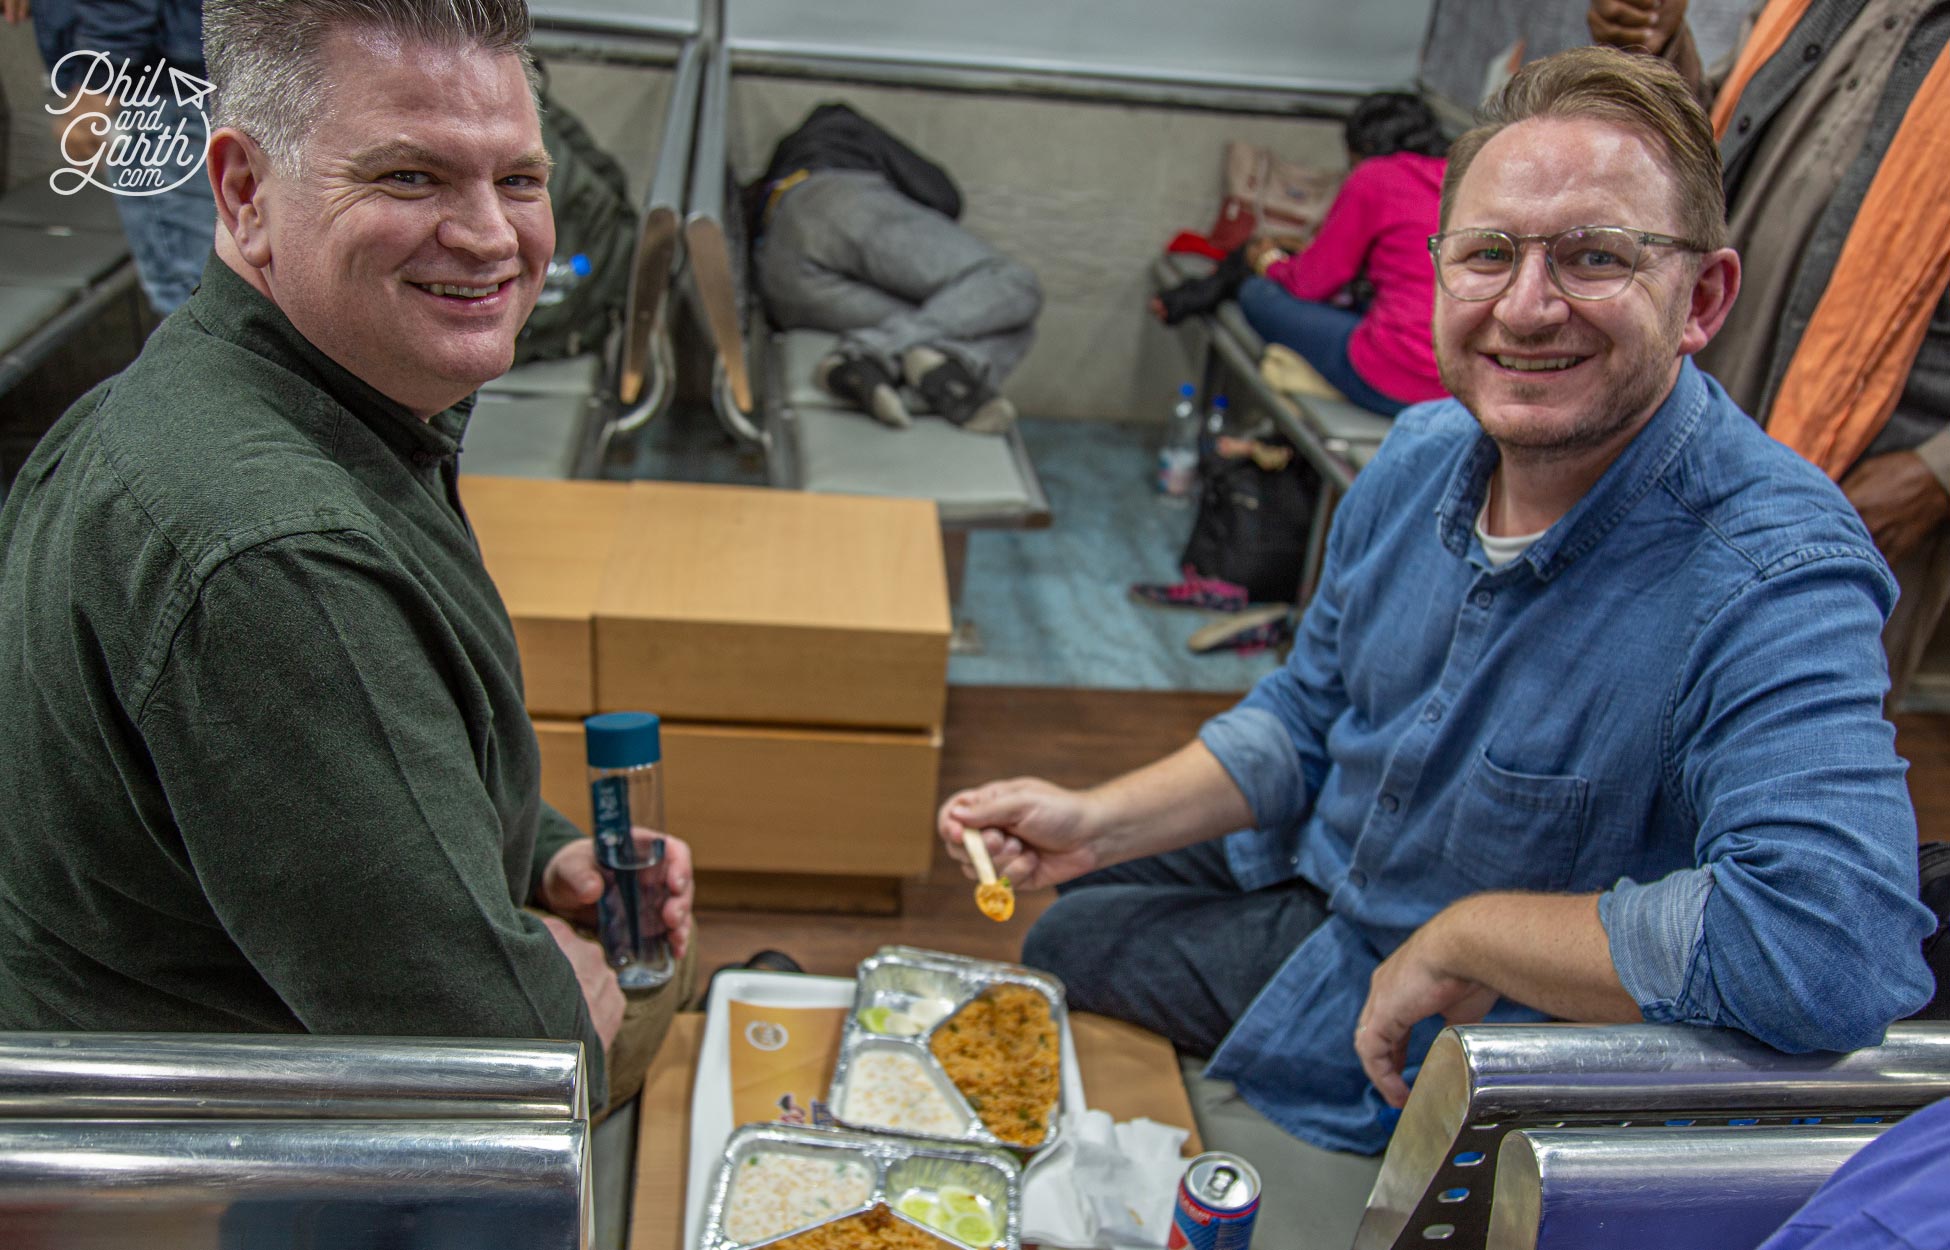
x=1501, y=551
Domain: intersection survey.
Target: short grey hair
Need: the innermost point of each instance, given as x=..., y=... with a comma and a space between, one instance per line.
x=265, y=57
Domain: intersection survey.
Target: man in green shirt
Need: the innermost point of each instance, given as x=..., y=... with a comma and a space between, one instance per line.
x=264, y=753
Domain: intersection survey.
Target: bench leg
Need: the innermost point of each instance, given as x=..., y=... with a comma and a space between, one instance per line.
x=966, y=639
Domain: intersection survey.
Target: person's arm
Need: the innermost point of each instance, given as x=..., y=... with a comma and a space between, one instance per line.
x=1799, y=924
x=1547, y=951
x=1340, y=246
x=1902, y=496
x=1040, y=835
x=308, y=725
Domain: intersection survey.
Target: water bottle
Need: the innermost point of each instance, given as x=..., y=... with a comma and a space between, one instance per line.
x=1215, y=421
x=1178, y=458
x=625, y=753
x=564, y=272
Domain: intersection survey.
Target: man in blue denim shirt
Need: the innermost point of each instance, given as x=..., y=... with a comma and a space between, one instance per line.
x=1585, y=719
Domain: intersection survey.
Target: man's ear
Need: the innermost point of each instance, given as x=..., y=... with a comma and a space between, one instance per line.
x=1714, y=291
x=239, y=176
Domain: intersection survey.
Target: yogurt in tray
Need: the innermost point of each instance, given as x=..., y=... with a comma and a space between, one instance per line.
x=824, y=1189
x=948, y=1047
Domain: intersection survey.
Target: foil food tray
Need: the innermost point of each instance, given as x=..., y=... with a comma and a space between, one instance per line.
x=899, y=977
x=896, y=1166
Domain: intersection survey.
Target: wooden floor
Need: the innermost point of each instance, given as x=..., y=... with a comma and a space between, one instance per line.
x=1078, y=737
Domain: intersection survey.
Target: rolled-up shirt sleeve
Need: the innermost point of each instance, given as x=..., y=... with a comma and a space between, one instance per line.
x=1799, y=923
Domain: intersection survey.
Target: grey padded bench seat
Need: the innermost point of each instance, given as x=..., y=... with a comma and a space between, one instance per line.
x=66, y=261
x=533, y=420
x=977, y=480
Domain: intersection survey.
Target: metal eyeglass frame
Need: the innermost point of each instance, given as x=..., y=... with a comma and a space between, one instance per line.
x=1644, y=238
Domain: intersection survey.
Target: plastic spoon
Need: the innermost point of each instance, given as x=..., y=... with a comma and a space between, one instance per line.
x=994, y=895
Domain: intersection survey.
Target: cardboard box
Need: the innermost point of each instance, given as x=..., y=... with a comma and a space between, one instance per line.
x=779, y=800
x=547, y=544
x=775, y=607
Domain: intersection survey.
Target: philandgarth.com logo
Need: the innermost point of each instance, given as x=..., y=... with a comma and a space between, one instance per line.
x=138, y=151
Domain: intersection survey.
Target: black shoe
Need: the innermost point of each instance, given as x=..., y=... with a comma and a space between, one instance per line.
x=864, y=384
x=952, y=389
x=1202, y=295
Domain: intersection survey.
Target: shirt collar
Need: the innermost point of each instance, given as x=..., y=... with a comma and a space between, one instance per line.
x=1638, y=467
x=232, y=309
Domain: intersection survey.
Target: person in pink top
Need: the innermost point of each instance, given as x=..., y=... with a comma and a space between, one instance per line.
x=1378, y=228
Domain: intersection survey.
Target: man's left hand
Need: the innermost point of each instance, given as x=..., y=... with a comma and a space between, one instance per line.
x=1900, y=500
x=571, y=885
x=1411, y=985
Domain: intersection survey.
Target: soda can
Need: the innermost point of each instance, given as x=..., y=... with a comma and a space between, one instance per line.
x=1218, y=1200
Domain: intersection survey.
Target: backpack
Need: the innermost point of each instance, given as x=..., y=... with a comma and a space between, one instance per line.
x=595, y=237
x=1252, y=522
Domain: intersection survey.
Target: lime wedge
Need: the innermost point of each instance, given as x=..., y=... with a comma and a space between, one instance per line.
x=938, y=1220
x=974, y=1228
x=918, y=1206
x=874, y=1019
x=958, y=1201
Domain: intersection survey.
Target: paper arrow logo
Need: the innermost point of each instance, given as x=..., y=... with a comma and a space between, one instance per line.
x=189, y=89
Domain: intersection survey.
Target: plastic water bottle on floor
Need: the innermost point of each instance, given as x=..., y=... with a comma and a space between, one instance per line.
x=1178, y=458
x=1216, y=421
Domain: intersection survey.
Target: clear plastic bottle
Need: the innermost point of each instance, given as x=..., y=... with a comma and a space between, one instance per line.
x=1216, y=420
x=1178, y=457
x=564, y=272
x=625, y=753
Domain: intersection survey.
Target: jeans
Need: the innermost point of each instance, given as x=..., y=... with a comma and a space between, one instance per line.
x=1172, y=943
x=171, y=234
x=847, y=252
x=1319, y=332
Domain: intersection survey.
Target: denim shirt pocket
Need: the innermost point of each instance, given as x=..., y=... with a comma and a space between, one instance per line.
x=1514, y=830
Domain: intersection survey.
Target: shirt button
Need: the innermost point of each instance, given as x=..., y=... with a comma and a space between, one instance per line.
x=1746, y=124
x=1811, y=52
x=1356, y=878
x=1389, y=802
x=1432, y=713
x=1851, y=84
x=1891, y=22
x=1483, y=598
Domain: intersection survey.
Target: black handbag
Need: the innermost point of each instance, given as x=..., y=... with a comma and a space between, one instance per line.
x=1251, y=526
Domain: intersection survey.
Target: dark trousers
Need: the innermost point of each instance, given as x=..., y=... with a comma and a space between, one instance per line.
x=1172, y=943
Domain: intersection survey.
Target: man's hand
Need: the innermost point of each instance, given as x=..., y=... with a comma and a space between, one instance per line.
x=1646, y=24
x=571, y=885
x=1411, y=985
x=1038, y=834
x=15, y=11
x=1900, y=500
x=80, y=136
x=593, y=973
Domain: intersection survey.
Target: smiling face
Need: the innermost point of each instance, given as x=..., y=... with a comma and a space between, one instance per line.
x=410, y=243
x=1544, y=374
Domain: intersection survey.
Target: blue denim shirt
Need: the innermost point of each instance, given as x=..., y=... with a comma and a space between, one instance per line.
x=1673, y=697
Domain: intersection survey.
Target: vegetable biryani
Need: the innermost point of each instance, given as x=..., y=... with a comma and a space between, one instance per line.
x=1001, y=1051
x=875, y=1229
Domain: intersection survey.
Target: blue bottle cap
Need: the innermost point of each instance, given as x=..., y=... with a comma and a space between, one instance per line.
x=622, y=740
x=1220, y=401
x=580, y=263
x=1188, y=390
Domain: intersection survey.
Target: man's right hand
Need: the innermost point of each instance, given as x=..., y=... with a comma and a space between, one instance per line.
x=1646, y=24
x=593, y=973
x=1038, y=834
x=75, y=130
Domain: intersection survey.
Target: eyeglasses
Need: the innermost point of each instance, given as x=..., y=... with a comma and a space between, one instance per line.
x=1584, y=262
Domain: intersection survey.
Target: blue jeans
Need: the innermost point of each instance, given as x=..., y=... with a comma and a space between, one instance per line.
x=1172, y=943
x=1319, y=332
x=171, y=234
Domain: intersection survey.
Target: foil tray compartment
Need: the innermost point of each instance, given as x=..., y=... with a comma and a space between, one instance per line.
x=898, y=976
x=896, y=1165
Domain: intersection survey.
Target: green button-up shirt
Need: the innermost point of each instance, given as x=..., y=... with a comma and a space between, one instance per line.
x=262, y=745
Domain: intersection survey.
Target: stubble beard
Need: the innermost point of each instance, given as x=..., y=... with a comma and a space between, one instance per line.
x=1639, y=385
